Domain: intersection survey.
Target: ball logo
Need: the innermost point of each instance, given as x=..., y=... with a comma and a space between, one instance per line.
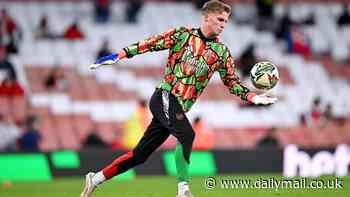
x=264, y=68
x=273, y=78
x=300, y=163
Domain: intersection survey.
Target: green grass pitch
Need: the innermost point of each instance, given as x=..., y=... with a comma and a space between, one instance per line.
x=161, y=186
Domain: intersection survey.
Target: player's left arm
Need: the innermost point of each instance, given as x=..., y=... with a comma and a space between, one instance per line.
x=231, y=80
x=227, y=72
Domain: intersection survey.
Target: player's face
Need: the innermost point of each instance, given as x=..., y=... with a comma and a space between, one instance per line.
x=216, y=22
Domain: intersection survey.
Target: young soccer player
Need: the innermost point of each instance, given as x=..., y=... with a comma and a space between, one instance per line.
x=194, y=55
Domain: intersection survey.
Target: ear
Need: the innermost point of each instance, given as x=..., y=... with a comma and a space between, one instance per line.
x=205, y=17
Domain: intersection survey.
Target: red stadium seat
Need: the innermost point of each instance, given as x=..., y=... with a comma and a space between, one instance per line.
x=110, y=92
x=92, y=89
x=19, y=108
x=65, y=131
x=107, y=130
x=5, y=105
x=49, y=137
x=75, y=90
x=82, y=123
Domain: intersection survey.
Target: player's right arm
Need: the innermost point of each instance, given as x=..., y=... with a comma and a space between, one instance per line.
x=158, y=42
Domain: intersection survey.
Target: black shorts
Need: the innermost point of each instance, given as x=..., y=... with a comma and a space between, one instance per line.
x=168, y=118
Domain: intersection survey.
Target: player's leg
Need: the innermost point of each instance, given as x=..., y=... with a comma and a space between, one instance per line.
x=165, y=107
x=153, y=137
x=180, y=127
x=185, y=136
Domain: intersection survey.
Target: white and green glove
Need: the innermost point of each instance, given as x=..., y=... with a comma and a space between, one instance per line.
x=261, y=99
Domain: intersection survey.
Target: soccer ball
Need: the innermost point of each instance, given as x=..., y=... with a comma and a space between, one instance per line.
x=264, y=75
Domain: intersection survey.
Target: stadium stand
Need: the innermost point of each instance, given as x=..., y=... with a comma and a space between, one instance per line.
x=108, y=96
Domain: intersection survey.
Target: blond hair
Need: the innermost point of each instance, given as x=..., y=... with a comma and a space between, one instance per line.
x=215, y=6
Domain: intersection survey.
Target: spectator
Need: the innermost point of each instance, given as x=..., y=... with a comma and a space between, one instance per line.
x=104, y=50
x=298, y=42
x=9, y=134
x=316, y=113
x=6, y=68
x=10, y=33
x=116, y=143
x=328, y=113
x=43, y=30
x=265, y=8
x=284, y=26
x=269, y=140
x=310, y=20
x=73, y=32
x=56, y=80
x=303, y=120
x=247, y=60
x=265, y=11
x=199, y=3
x=132, y=10
x=205, y=137
x=93, y=140
x=136, y=125
x=344, y=18
x=102, y=11
x=9, y=85
x=31, y=137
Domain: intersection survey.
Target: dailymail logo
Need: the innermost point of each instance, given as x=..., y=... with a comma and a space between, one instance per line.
x=299, y=163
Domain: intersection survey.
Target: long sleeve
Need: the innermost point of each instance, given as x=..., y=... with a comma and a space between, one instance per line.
x=229, y=77
x=158, y=42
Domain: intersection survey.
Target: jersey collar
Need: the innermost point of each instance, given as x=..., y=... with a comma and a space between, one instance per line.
x=202, y=36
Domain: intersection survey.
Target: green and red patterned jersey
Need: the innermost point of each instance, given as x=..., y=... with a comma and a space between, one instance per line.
x=192, y=61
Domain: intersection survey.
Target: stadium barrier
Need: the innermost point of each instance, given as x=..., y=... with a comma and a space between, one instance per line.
x=291, y=161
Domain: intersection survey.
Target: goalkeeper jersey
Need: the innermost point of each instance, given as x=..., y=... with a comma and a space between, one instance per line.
x=191, y=63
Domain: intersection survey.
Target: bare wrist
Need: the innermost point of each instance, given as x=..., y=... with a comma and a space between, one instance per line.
x=250, y=96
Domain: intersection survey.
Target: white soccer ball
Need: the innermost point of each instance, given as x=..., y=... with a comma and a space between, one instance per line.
x=264, y=75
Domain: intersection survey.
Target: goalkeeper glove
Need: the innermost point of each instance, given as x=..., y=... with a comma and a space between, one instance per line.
x=105, y=60
x=261, y=99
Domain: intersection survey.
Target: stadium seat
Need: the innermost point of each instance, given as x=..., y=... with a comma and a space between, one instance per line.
x=107, y=96
x=82, y=124
x=5, y=105
x=19, y=108
x=63, y=126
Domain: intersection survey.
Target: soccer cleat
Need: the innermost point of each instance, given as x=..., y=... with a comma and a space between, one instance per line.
x=89, y=186
x=106, y=60
x=186, y=194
